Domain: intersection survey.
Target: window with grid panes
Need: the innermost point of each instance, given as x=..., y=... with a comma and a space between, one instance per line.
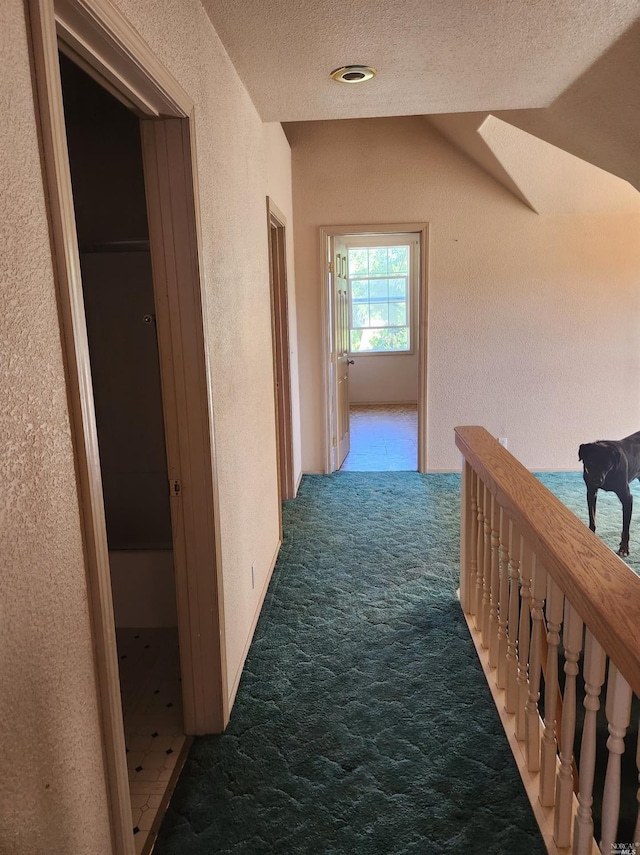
x=379, y=305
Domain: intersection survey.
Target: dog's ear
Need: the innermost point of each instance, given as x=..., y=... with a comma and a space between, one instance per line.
x=580, y=452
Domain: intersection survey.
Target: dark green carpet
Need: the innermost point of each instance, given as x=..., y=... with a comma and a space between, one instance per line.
x=569, y=487
x=363, y=723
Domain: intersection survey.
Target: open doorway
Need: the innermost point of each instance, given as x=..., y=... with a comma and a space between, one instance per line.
x=102, y=43
x=105, y=156
x=375, y=347
x=381, y=298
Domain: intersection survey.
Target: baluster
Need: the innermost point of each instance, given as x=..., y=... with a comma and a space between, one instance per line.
x=593, y=671
x=618, y=709
x=473, y=539
x=494, y=594
x=532, y=718
x=503, y=600
x=549, y=746
x=524, y=632
x=479, y=554
x=465, y=533
x=572, y=641
x=511, y=656
x=486, y=567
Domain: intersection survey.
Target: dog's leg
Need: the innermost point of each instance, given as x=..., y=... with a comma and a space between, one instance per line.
x=627, y=506
x=592, y=494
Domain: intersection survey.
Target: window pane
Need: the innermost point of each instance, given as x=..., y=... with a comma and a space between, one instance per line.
x=378, y=260
x=398, y=259
x=378, y=341
x=360, y=289
x=379, y=314
x=392, y=340
x=378, y=290
x=360, y=315
x=358, y=262
x=398, y=339
x=398, y=289
x=397, y=314
x=379, y=299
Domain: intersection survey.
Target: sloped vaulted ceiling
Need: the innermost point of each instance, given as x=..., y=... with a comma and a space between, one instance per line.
x=567, y=71
x=597, y=117
x=545, y=178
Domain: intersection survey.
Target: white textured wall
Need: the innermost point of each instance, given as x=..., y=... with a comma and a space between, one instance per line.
x=52, y=788
x=52, y=791
x=534, y=321
x=278, y=153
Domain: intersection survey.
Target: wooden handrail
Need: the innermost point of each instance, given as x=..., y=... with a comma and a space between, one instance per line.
x=603, y=590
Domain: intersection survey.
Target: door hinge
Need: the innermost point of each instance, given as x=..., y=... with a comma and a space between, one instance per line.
x=334, y=442
x=175, y=487
x=331, y=267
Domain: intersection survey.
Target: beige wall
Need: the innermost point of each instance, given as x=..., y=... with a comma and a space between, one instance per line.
x=534, y=321
x=52, y=790
x=383, y=379
x=232, y=169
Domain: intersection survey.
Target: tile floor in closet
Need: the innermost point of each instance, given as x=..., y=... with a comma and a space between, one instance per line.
x=154, y=734
x=384, y=438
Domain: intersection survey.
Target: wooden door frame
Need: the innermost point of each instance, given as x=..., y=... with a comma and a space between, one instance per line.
x=277, y=224
x=327, y=233
x=97, y=37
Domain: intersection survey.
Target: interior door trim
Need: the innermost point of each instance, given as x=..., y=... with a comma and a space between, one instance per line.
x=276, y=223
x=326, y=235
x=95, y=34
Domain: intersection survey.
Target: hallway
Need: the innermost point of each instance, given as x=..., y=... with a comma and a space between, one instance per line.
x=363, y=722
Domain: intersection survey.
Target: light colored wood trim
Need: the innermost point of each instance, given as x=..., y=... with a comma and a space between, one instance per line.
x=256, y=615
x=597, y=583
x=81, y=405
x=276, y=223
x=374, y=228
x=423, y=347
x=216, y=620
x=326, y=252
x=326, y=234
x=110, y=50
x=167, y=157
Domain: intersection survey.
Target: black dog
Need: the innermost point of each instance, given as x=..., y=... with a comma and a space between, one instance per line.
x=610, y=464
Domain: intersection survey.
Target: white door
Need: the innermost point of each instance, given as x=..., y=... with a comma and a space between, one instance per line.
x=341, y=344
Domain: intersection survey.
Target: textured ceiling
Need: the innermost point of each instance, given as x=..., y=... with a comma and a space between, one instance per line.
x=432, y=56
x=564, y=71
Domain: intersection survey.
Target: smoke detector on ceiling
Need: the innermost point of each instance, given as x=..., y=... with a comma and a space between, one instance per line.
x=353, y=73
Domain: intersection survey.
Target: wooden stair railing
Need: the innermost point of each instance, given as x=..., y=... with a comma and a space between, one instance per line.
x=533, y=577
